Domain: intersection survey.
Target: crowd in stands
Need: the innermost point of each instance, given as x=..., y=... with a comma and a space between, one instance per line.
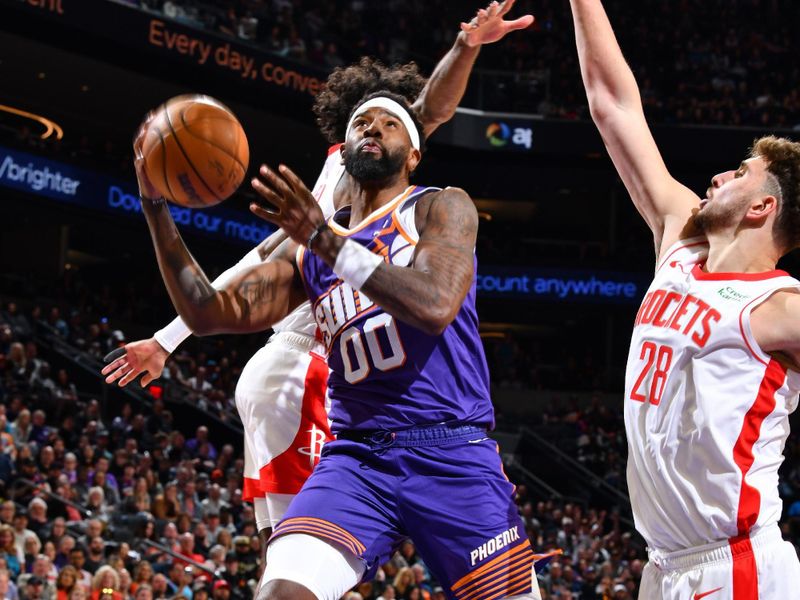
x=128, y=477
x=95, y=493
x=714, y=64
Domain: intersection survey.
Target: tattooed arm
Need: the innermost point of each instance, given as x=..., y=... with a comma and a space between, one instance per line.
x=252, y=301
x=429, y=294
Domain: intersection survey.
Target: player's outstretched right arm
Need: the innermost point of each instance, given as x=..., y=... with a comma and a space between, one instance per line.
x=252, y=301
x=616, y=108
x=148, y=357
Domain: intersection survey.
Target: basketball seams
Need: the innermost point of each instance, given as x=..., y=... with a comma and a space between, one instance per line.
x=201, y=167
x=211, y=143
x=186, y=156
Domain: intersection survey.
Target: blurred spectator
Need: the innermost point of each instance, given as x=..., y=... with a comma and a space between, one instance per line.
x=37, y=517
x=8, y=590
x=105, y=584
x=8, y=551
x=77, y=559
x=38, y=581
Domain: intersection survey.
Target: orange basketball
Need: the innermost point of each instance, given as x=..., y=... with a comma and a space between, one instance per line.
x=195, y=151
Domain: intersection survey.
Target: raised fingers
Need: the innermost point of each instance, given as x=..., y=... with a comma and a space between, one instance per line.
x=268, y=194
x=293, y=180
x=505, y=7
x=263, y=213
x=277, y=182
x=520, y=23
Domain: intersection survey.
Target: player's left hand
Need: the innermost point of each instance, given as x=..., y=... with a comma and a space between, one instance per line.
x=127, y=363
x=296, y=209
x=488, y=25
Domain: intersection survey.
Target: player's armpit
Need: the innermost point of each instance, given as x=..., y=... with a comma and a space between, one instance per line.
x=430, y=293
x=776, y=326
x=257, y=298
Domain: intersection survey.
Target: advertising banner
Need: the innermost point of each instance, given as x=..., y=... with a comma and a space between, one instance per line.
x=562, y=285
x=161, y=37
x=88, y=189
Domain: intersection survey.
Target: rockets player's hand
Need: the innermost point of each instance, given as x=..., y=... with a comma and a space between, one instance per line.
x=488, y=25
x=130, y=361
x=296, y=210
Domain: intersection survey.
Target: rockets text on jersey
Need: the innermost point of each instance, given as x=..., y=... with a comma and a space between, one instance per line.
x=706, y=411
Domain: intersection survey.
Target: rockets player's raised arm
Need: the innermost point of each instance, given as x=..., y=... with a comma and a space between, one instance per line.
x=616, y=109
x=252, y=301
x=445, y=87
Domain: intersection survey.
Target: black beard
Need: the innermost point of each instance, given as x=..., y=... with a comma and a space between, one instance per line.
x=365, y=168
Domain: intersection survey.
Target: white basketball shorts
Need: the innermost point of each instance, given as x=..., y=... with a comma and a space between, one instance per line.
x=281, y=399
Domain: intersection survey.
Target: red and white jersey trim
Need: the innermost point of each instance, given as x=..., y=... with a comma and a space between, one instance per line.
x=300, y=319
x=706, y=410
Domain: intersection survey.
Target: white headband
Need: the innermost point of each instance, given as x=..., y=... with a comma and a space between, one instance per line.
x=393, y=107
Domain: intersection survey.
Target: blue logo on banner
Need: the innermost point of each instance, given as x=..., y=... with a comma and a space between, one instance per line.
x=66, y=183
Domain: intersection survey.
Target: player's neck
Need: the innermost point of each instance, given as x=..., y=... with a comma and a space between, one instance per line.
x=367, y=198
x=748, y=251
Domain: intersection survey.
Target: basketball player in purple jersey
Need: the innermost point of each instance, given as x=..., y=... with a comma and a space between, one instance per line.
x=266, y=422
x=391, y=280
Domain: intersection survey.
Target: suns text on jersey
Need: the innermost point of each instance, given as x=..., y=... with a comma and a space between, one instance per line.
x=685, y=313
x=338, y=307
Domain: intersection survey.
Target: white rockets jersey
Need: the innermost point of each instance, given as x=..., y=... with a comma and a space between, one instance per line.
x=706, y=410
x=300, y=320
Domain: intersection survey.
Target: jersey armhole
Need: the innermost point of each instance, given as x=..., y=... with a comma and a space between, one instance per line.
x=405, y=215
x=746, y=329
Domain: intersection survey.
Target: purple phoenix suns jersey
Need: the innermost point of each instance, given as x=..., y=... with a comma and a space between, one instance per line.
x=386, y=374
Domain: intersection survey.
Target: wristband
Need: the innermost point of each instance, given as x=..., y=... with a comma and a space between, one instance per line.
x=171, y=336
x=320, y=228
x=355, y=264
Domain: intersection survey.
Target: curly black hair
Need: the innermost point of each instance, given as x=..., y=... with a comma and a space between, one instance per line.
x=347, y=86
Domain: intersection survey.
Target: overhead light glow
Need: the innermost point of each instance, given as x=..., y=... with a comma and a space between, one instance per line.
x=51, y=127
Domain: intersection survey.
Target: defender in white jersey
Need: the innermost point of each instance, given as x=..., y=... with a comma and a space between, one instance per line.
x=713, y=372
x=280, y=395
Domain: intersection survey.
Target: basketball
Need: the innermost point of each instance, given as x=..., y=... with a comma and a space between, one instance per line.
x=195, y=151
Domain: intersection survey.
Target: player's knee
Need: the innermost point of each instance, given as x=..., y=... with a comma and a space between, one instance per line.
x=280, y=589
